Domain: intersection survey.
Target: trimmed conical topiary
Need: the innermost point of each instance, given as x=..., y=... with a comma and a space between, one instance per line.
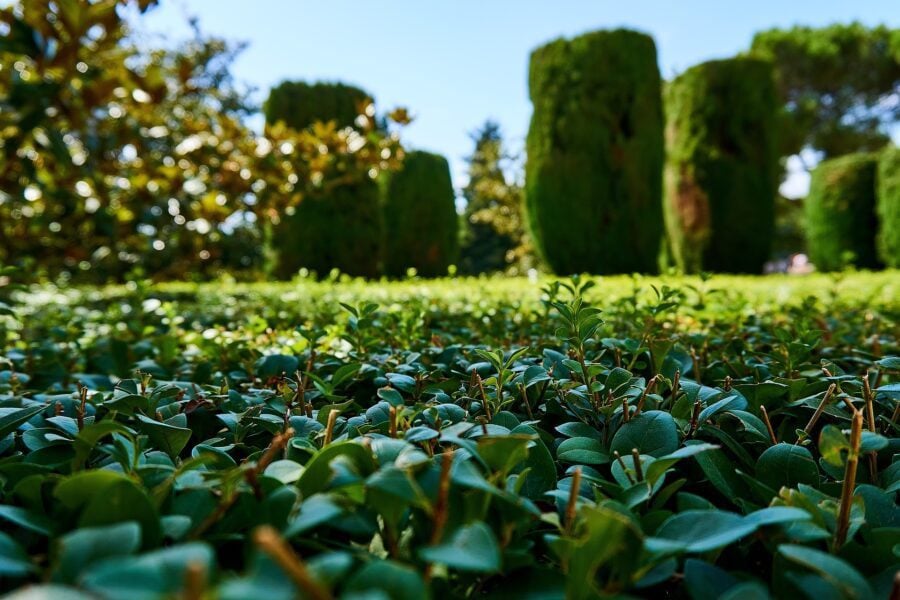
x=340, y=228
x=840, y=213
x=888, y=207
x=721, y=166
x=595, y=153
x=421, y=224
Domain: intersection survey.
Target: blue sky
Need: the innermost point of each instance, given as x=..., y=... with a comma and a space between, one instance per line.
x=456, y=63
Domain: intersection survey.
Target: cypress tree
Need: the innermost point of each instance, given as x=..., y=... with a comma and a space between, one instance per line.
x=722, y=166
x=339, y=228
x=421, y=224
x=888, y=207
x=840, y=213
x=595, y=153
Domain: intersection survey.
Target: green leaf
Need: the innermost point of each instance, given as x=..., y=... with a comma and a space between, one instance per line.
x=838, y=573
x=503, y=452
x=582, y=451
x=14, y=561
x=394, y=580
x=653, y=432
x=787, y=465
x=317, y=475
x=699, y=531
x=88, y=437
x=314, y=511
x=38, y=523
x=168, y=438
x=12, y=418
x=149, y=576
x=659, y=466
x=84, y=547
x=471, y=548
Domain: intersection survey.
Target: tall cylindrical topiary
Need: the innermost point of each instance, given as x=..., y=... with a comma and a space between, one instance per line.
x=595, y=153
x=340, y=228
x=420, y=221
x=721, y=171
x=888, y=207
x=840, y=213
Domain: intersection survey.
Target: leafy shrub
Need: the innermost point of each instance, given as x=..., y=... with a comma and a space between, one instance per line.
x=341, y=229
x=888, y=207
x=721, y=168
x=840, y=213
x=300, y=104
x=341, y=226
x=595, y=153
x=420, y=221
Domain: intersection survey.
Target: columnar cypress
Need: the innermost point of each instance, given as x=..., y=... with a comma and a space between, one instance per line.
x=421, y=224
x=840, y=213
x=721, y=167
x=595, y=153
x=340, y=227
x=888, y=207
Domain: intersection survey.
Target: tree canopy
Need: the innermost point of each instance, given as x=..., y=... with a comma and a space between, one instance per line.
x=839, y=85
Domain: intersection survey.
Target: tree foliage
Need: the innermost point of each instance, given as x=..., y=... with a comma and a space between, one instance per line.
x=840, y=213
x=595, y=153
x=114, y=158
x=888, y=207
x=299, y=104
x=495, y=237
x=839, y=85
x=721, y=166
x=420, y=223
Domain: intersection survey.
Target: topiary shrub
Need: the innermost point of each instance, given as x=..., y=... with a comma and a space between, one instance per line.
x=595, y=153
x=840, y=213
x=421, y=224
x=340, y=228
x=299, y=104
x=721, y=171
x=888, y=207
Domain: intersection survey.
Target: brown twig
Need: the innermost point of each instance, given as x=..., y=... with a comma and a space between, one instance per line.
x=638, y=467
x=695, y=416
x=329, y=428
x=843, y=523
x=194, y=581
x=819, y=409
x=647, y=390
x=82, y=406
x=572, y=505
x=268, y=540
x=765, y=418
x=622, y=464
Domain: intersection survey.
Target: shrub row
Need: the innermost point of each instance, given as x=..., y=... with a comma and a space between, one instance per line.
x=359, y=227
x=596, y=153
x=850, y=199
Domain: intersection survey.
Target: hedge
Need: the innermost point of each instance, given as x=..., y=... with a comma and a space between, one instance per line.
x=595, y=153
x=298, y=103
x=421, y=224
x=840, y=213
x=722, y=166
x=888, y=207
x=338, y=229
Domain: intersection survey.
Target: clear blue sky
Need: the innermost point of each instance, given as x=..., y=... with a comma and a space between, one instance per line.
x=456, y=63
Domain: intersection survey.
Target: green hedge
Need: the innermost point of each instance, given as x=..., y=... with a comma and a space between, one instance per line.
x=299, y=103
x=888, y=207
x=595, y=153
x=722, y=166
x=339, y=229
x=421, y=224
x=840, y=213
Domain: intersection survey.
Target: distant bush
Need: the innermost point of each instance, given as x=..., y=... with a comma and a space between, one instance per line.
x=595, y=153
x=840, y=213
x=300, y=104
x=341, y=229
x=888, y=207
x=721, y=168
x=420, y=221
